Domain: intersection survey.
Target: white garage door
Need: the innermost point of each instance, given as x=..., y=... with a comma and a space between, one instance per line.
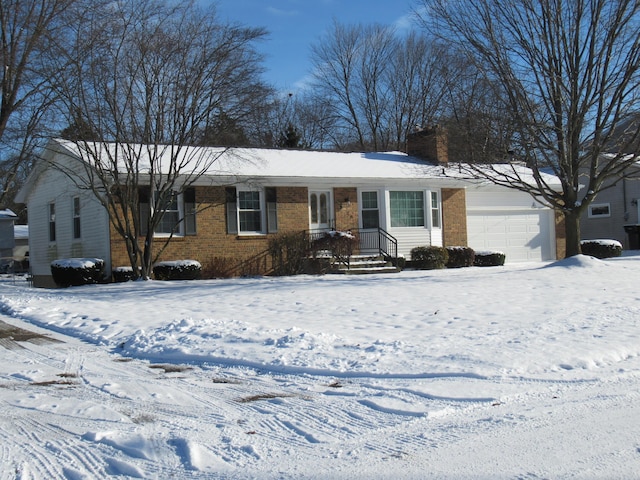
x=523, y=236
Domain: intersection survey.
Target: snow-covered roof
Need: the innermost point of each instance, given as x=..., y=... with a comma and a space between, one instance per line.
x=291, y=167
x=264, y=162
x=7, y=215
x=21, y=231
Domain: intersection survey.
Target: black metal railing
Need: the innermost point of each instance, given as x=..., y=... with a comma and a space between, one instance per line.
x=339, y=245
x=380, y=242
x=370, y=241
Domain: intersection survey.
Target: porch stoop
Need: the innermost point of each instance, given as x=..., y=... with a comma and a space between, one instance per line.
x=364, y=264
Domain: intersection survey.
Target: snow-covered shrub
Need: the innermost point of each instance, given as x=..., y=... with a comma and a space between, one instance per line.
x=460, y=257
x=122, y=274
x=601, y=248
x=178, y=270
x=429, y=258
x=69, y=272
x=337, y=242
x=489, y=259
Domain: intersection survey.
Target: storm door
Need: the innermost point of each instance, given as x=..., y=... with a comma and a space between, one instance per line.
x=319, y=209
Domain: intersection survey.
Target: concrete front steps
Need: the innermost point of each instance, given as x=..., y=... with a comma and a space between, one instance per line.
x=364, y=264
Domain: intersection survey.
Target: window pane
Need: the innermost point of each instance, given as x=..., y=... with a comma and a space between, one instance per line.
x=250, y=221
x=168, y=222
x=52, y=222
x=249, y=200
x=407, y=209
x=313, y=201
x=324, y=210
x=369, y=200
x=76, y=217
x=370, y=219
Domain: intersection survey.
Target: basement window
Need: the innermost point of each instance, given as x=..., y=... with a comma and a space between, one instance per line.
x=599, y=210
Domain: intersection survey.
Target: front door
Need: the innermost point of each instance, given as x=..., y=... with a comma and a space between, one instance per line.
x=319, y=209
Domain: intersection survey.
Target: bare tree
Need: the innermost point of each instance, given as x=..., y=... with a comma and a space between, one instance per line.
x=378, y=85
x=144, y=81
x=568, y=74
x=27, y=28
x=336, y=60
x=417, y=80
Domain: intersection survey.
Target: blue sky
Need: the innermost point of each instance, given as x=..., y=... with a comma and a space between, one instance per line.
x=294, y=25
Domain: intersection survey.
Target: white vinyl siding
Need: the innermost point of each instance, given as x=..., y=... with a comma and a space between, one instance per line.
x=55, y=187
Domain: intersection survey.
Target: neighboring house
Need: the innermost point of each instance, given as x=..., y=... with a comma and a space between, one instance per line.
x=7, y=240
x=21, y=248
x=615, y=210
x=250, y=195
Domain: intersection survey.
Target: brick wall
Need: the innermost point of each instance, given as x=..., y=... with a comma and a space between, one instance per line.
x=561, y=239
x=346, y=207
x=430, y=144
x=454, y=217
x=212, y=244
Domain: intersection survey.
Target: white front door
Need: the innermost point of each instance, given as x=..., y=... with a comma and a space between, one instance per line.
x=319, y=209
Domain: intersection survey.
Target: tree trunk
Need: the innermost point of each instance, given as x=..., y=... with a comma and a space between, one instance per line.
x=572, y=233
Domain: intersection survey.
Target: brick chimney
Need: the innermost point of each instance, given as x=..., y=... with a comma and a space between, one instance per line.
x=429, y=143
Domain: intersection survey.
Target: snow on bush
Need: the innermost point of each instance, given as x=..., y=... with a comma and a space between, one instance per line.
x=602, y=248
x=460, y=257
x=177, y=270
x=489, y=258
x=68, y=272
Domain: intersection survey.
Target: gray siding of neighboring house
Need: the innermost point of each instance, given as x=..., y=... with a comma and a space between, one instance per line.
x=622, y=199
x=7, y=241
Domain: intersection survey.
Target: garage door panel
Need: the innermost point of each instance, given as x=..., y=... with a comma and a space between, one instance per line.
x=521, y=236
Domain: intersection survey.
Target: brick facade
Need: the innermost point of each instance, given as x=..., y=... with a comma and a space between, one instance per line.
x=212, y=246
x=561, y=239
x=219, y=251
x=430, y=144
x=346, y=208
x=454, y=217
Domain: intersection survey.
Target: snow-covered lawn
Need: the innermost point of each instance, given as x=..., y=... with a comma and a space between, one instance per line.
x=523, y=371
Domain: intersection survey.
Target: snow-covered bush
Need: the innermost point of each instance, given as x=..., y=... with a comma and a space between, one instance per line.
x=601, y=248
x=177, y=270
x=489, y=259
x=122, y=274
x=429, y=258
x=460, y=257
x=69, y=272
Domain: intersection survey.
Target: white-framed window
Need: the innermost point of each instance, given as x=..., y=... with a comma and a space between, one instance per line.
x=599, y=210
x=179, y=217
x=407, y=208
x=435, y=210
x=52, y=221
x=251, y=211
x=170, y=221
x=370, y=209
x=76, y=218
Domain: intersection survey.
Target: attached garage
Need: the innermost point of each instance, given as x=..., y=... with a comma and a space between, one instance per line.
x=511, y=222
